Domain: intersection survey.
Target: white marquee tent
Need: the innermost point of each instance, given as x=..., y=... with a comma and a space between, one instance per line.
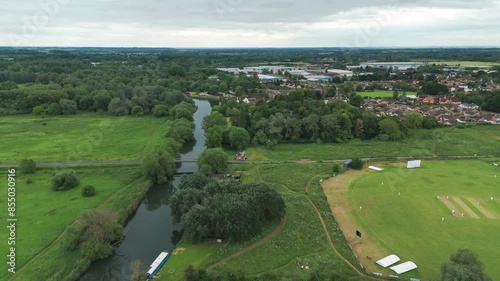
x=388, y=261
x=404, y=267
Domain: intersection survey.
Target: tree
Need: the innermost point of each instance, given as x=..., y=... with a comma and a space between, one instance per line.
x=54, y=109
x=310, y=126
x=238, y=138
x=213, y=161
x=359, y=129
x=370, y=125
x=137, y=273
x=64, y=181
x=158, y=166
x=429, y=122
x=182, y=131
x=214, y=119
x=223, y=87
x=347, y=87
x=390, y=130
x=118, y=107
x=260, y=138
x=27, y=166
x=101, y=100
x=239, y=91
x=336, y=168
x=492, y=102
x=414, y=120
x=160, y=110
x=213, y=137
x=463, y=266
x=68, y=107
x=433, y=88
x=357, y=164
x=214, y=90
x=93, y=234
x=356, y=101
x=88, y=191
x=395, y=95
x=137, y=110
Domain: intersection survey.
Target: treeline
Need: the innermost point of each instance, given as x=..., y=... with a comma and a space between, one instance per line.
x=302, y=116
x=489, y=101
x=209, y=209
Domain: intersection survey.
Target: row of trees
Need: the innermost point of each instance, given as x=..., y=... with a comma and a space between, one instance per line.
x=231, y=211
x=300, y=117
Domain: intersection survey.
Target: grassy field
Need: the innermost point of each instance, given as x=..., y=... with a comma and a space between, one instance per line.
x=79, y=137
x=383, y=94
x=464, y=63
x=43, y=216
x=410, y=226
x=303, y=240
x=480, y=140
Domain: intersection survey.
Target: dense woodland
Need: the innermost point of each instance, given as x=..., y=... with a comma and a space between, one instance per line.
x=209, y=209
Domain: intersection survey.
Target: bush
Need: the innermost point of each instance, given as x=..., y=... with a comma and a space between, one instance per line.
x=93, y=234
x=160, y=110
x=88, y=191
x=64, y=181
x=29, y=181
x=336, y=168
x=357, y=164
x=137, y=110
x=27, y=166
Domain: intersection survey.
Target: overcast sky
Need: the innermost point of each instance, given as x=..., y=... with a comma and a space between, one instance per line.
x=250, y=23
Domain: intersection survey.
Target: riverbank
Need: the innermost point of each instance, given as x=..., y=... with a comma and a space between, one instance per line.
x=52, y=261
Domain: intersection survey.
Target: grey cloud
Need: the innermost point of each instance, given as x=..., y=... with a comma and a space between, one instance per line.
x=286, y=16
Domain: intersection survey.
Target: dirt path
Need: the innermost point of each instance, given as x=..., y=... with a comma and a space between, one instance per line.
x=310, y=181
x=331, y=242
x=258, y=172
x=466, y=208
x=251, y=247
x=481, y=209
x=450, y=205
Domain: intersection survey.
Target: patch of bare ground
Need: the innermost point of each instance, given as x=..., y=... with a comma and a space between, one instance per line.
x=481, y=209
x=468, y=211
x=336, y=190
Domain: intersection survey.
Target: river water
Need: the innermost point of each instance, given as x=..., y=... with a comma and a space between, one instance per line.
x=150, y=231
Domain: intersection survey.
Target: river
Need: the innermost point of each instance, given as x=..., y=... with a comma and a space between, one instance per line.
x=150, y=230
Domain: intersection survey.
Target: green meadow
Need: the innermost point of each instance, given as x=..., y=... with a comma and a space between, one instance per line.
x=465, y=63
x=82, y=137
x=410, y=224
x=302, y=242
x=43, y=215
x=476, y=140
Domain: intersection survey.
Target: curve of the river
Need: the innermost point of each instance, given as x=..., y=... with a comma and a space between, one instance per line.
x=150, y=231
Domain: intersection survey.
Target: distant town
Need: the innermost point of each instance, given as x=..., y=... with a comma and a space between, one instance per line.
x=405, y=95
